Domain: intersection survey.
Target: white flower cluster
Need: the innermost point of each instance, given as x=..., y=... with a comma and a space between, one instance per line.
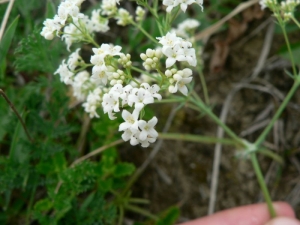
x=177, y=49
x=178, y=80
x=183, y=4
x=111, y=84
x=67, y=8
x=75, y=25
x=109, y=7
x=123, y=17
x=285, y=10
x=135, y=130
x=288, y=8
x=102, y=72
x=140, y=13
x=186, y=28
x=80, y=82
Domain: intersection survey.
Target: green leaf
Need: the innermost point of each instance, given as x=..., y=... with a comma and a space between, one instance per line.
x=59, y=162
x=6, y=41
x=169, y=217
x=43, y=205
x=124, y=169
x=51, y=9
x=17, y=152
x=87, y=201
x=105, y=185
x=44, y=167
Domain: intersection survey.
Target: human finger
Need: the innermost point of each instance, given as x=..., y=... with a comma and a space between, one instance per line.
x=256, y=214
x=283, y=220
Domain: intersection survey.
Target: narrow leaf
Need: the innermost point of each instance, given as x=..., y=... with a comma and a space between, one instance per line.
x=7, y=39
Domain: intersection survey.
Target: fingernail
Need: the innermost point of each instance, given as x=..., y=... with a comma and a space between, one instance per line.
x=283, y=221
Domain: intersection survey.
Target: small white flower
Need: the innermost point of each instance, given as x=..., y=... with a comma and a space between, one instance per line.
x=140, y=13
x=101, y=74
x=65, y=74
x=51, y=27
x=183, y=4
x=81, y=85
x=98, y=23
x=92, y=102
x=132, y=136
x=131, y=121
x=174, y=54
x=147, y=129
x=74, y=59
x=147, y=142
x=123, y=17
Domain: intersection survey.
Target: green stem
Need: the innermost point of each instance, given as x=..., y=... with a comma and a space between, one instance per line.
x=265, y=132
x=121, y=216
x=174, y=16
x=172, y=100
x=272, y=155
x=141, y=211
x=29, y=209
x=288, y=46
x=204, y=87
x=144, y=72
x=207, y=110
x=138, y=201
x=295, y=21
x=262, y=184
x=87, y=36
x=144, y=32
x=196, y=138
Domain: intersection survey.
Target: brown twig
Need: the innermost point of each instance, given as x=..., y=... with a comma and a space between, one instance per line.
x=212, y=29
x=17, y=113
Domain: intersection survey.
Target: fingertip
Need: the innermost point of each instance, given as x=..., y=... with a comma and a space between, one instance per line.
x=284, y=209
x=283, y=220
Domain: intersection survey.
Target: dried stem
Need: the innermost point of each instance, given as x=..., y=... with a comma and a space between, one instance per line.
x=17, y=113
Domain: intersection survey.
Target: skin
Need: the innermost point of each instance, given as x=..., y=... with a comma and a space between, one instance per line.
x=256, y=214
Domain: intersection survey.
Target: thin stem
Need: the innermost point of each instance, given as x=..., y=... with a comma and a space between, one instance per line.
x=153, y=12
x=174, y=16
x=265, y=132
x=96, y=152
x=207, y=110
x=17, y=113
x=262, y=184
x=121, y=216
x=196, y=138
x=288, y=46
x=143, y=72
x=87, y=36
x=204, y=87
x=138, y=201
x=272, y=155
x=29, y=209
x=172, y=100
x=144, y=32
x=141, y=211
x=295, y=21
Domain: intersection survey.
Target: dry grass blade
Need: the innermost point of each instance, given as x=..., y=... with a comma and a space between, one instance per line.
x=5, y=19
x=4, y=1
x=212, y=29
x=96, y=152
